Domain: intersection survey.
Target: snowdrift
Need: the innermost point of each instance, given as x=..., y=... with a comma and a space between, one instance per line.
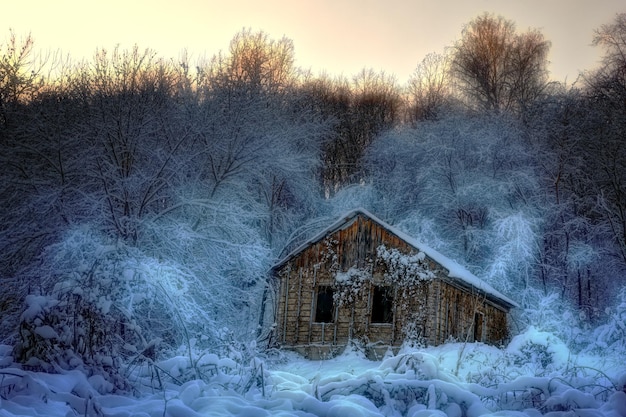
x=534, y=375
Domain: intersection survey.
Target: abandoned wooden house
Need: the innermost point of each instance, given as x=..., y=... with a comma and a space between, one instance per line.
x=363, y=280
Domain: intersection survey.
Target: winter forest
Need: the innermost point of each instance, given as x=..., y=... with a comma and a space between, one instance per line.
x=145, y=199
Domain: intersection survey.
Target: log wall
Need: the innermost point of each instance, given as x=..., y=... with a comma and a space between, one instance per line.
x=436, y=310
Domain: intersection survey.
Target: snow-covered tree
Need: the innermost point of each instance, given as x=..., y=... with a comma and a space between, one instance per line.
x=463, y=174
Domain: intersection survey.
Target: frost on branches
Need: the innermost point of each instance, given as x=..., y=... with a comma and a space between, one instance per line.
x=100, y=306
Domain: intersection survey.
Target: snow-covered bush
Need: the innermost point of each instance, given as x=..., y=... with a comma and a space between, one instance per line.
x=548, y=313
x=413, y=330
x=239, y=371
x=101, y=304
x=219, y=246
x=611, y=336
x=539, y=352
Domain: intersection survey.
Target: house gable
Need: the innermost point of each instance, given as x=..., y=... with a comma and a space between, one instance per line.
x=396, y=238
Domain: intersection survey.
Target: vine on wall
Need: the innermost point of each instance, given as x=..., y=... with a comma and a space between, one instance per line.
x=404, y=270
x=351, y=285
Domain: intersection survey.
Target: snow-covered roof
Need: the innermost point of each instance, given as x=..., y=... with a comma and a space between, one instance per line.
x=455, y=271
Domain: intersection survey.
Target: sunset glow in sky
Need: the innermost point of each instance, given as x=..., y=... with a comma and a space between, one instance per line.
x=336, y=36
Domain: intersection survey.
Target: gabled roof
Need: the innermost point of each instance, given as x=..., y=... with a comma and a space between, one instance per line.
x=455, y=271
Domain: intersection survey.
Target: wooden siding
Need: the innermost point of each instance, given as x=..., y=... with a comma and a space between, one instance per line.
x=436, y=310
x=455, y=313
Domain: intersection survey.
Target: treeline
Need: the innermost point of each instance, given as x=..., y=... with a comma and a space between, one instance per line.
x=215, y=167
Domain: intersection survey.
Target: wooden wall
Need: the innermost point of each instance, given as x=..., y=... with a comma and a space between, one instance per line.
x=454, y=316
x=437, y=309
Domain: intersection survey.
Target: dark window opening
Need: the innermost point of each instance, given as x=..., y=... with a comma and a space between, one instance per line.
x=324, y=307
x=478, y=327
x=382, y=305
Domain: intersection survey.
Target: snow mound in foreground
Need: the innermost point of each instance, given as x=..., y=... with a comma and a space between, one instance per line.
x=535, y=375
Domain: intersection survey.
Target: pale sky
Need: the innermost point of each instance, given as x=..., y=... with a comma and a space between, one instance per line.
x=335, y=36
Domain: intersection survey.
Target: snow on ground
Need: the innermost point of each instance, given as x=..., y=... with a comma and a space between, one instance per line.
x=534, y=375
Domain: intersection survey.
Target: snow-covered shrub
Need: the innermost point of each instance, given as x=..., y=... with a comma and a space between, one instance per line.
x=413, y=330
x=403, y=385
x=548, y=313
x=420, y=364
x=538, y=352
x=611, y=336
x=101, y=305
x=219, y=245
x=239, y=372
x=489, y=366
x=407, y=272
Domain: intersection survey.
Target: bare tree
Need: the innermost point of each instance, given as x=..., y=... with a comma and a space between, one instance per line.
x=254, y=62
x=606, y=89
x=580, y=165
x=429, y=87
x=610, y=78
x=20, y=74
x=254, y=139
x=497, y=68
x=132, y=134
x=35, y=138
x=359, y=110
